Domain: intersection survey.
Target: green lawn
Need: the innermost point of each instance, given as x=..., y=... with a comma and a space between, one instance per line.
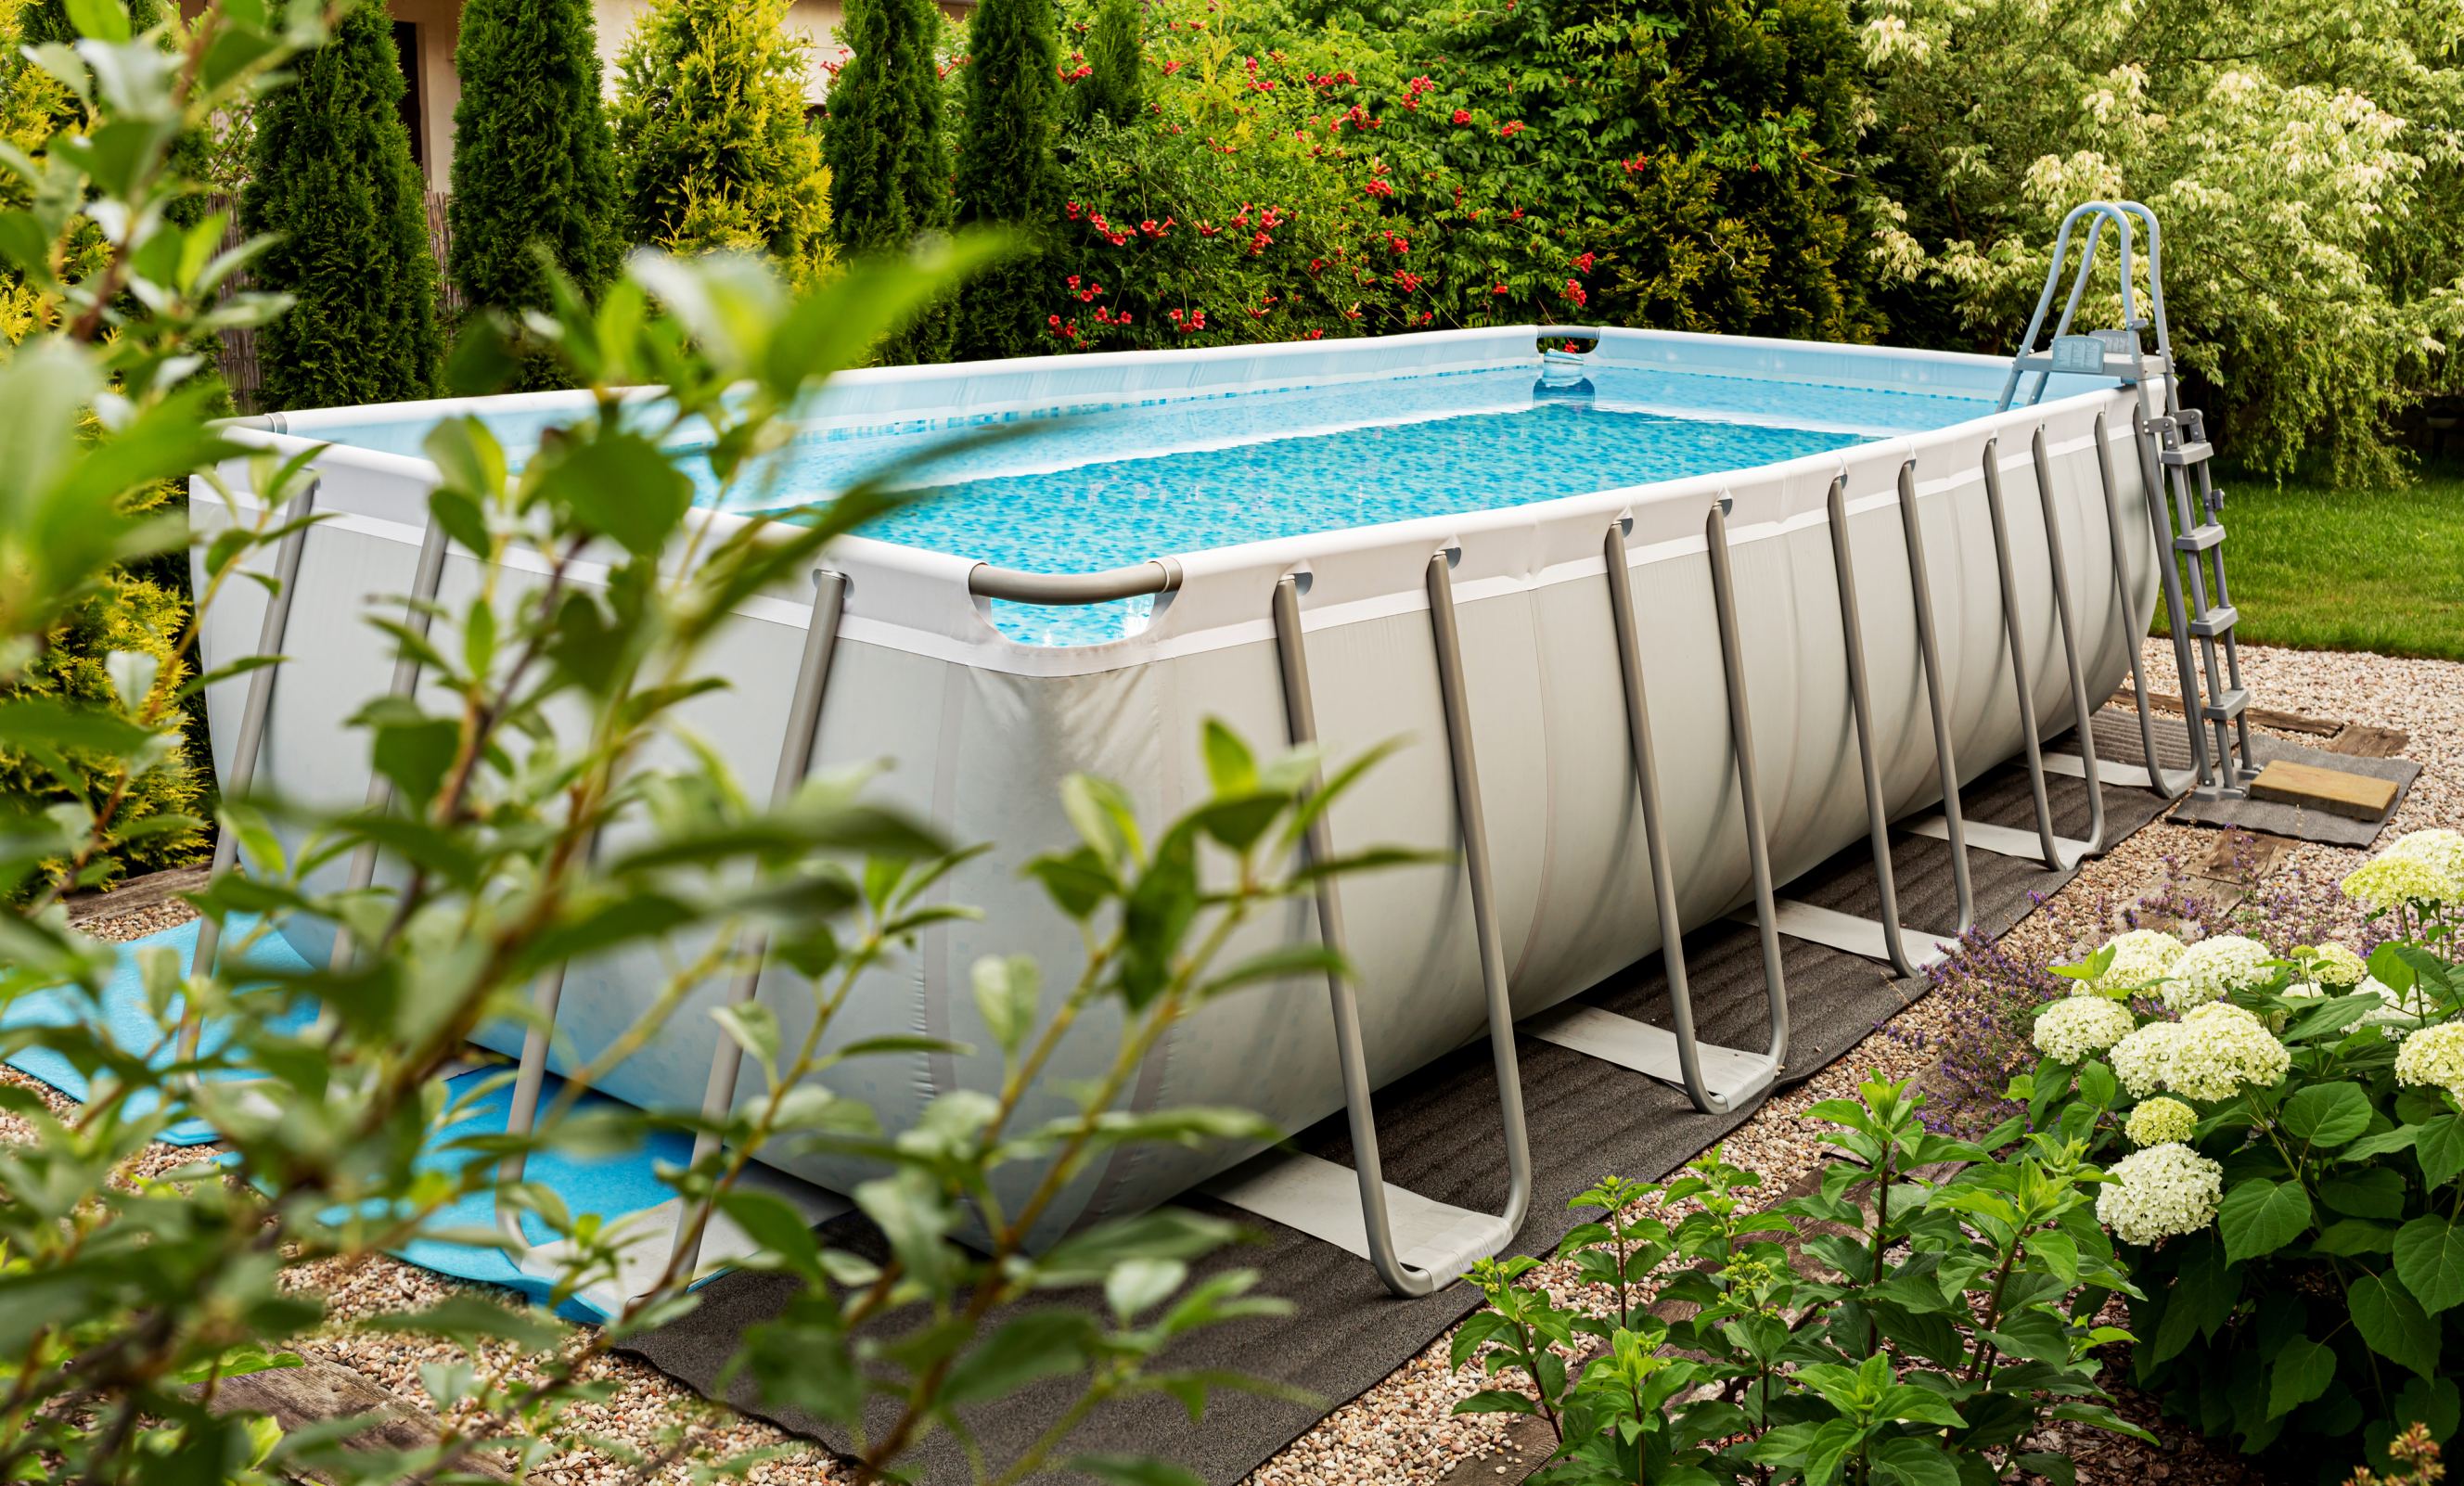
x=2350, y=570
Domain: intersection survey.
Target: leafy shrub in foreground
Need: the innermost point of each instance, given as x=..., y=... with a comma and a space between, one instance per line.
x=1928, y=1330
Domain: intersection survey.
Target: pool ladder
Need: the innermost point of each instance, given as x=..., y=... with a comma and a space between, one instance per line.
x=2185, y=505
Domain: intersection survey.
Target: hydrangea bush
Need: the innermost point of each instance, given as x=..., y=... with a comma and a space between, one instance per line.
x=2282, y=1136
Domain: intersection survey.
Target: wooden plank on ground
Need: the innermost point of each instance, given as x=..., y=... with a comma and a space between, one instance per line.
x=316, y=1391
x=2259, y=716
x=2242, y=856
x=137, y=892
x=2356, y=796
x=2359, y=740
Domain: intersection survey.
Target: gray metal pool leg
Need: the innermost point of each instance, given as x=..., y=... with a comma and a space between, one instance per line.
x=1887, y=939
x=2132, y=625
x=1718, y=1080
x=2058, y=853
x=2083, y=714
x=1439, y=1242
x=795, y=761
x=416, y=614
x=253, y=712
x=1955, y=829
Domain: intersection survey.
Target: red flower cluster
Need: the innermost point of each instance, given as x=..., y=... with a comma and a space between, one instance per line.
x=1413, y=90
x=1636, y=165
x=1409, y=280
x=1582, y=263
x=1575, y=292
x=1195, y=320
x=1463, y=115
x=1376, y=187
x=1511, y=128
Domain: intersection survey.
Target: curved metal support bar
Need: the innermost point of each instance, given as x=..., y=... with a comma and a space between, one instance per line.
x=1690, y=1074
x=1473, y=821
x=1929, y=651
x=257, y=707
x=2052, y=845
x=425, y=580
x=2080, y=714
x=1061, y=590
x=795, y=762
x=1878, y=820
x=528, y=1080
x=2132, y=625
x=1741, y=729
x=1360, y=1109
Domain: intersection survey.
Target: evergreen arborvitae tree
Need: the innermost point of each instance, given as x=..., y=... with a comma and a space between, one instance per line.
x=1114, y=86
x=889, y=166
x=332, y=175
x=532, y=162
x=1007, y=176
x=713, y=150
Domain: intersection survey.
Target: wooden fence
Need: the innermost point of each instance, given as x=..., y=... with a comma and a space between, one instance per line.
x=241, y=367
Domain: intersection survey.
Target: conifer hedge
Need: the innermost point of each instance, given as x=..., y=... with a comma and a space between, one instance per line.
x=1007, y=173
x=332, y=175
x=1114, y=86
x=532, y=161
x=713, y=149
x=889, y=163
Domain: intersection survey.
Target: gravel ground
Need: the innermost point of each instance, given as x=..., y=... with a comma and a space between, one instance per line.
x=1400, y=1431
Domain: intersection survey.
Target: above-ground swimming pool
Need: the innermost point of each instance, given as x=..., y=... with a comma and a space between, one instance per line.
x=1212, y=476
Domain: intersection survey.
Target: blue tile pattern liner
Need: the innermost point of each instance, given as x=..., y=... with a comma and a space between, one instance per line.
x=1102, y=486
x=611, y=1186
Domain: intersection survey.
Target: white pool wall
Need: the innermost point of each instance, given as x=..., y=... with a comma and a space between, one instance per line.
x=979, y=730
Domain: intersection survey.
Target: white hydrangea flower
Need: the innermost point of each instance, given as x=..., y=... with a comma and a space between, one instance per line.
x=2222, y=1050
x=2076, y=1028
x=2139, y=1060
x=2160, y=1122
x=2434, y=1057
x=2140, y=956
x=2404, y=1010
x=2440, y=848
x=2332, y=964
x=2216, y=966
x=2391, y=881
x=2161, y=1193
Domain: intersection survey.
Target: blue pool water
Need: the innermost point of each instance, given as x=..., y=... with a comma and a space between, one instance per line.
x=1112, y=489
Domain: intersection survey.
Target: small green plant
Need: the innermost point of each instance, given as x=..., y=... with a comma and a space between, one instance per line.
x=1895, y=1325
x=2288, y=1201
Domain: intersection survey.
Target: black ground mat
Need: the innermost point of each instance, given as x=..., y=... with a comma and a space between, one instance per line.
x=2280, y=818
x=1440, y=1136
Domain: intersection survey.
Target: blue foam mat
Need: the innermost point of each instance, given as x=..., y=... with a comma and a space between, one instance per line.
x=610, y=1186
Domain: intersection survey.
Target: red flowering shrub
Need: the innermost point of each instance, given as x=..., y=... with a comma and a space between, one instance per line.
x=1299, y=170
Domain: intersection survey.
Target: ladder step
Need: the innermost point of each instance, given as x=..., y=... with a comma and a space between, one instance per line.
x=1323, y=1200
x=2197, y=451
x=2228, y=705
x=2215, y=622
x=2199, y=538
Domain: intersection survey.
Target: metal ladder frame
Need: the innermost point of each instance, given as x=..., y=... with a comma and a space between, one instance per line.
x=1735, y=1080
x=1299, y=1190
x=2174, y=454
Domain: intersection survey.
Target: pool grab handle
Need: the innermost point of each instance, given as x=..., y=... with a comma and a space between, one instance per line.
x=1156, y=575
x=1301, y=714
